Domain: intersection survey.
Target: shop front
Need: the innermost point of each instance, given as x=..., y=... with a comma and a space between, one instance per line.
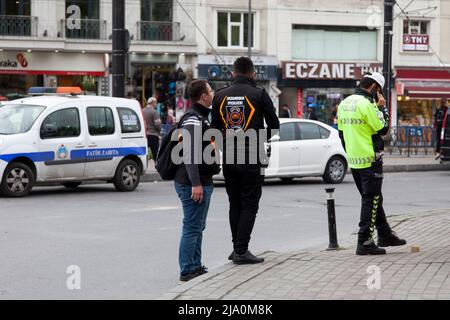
x=419, y=91
x=21, y=70
x=319, y=87
x=160, y=76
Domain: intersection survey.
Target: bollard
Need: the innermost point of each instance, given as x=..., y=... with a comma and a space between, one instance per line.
x=331, y=220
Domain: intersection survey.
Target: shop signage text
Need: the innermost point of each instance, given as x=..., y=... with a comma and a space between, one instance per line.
x=412, y=42
x=13, y=64
x=328, y=71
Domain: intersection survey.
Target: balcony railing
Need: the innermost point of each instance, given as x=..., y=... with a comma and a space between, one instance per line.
x=83, y=29
x=18, y=26
x=158, y=31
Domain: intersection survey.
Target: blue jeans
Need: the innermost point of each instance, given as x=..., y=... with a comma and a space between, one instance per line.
x=194, y=222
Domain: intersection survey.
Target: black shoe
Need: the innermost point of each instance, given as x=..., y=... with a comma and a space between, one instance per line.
x=189, y=276
x=246, y=258
x=372, y=249
x=390, y=240
x=194, y=274
x=230, y=257
x=202, y=270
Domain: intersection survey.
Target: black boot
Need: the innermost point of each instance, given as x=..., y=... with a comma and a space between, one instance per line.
x=246, y=258
x=230, y=257
x=372, y=249
x=390, y=240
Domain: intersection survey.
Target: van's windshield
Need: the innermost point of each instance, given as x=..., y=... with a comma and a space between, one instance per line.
x=18, y=118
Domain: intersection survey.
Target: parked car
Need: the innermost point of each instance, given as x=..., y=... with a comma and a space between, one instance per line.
x=445, y=138
x=70, y=139
x=305, y=148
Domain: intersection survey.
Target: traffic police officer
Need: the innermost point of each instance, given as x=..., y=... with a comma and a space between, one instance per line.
x=362, y=120
x=240, y=109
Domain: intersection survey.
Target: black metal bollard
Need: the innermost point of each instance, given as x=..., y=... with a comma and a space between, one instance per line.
x=331, y=220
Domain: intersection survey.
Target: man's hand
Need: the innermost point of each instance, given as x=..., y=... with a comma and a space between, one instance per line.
x=197, y=194
x=381, y=100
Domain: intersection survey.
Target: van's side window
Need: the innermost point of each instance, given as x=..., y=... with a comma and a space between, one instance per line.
x=129, y=120
x=100, y=121
x=63, y=123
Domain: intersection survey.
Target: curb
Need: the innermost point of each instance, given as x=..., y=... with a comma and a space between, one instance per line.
x=154, y=176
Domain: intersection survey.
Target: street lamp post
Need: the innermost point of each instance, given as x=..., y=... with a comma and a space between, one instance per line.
x=387, y=48
x=118, y=48
x=249, y=29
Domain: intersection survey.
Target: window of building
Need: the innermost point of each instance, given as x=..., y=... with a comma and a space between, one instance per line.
x=129, y=120
x=334, y=43
x=15, y=8
x=156, y=10
x=100, y=121
x=415, y=27
x=232, y=29
x=66, y=123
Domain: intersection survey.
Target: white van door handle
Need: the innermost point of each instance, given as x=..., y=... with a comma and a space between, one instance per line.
x=79, y=146
x=92, y=145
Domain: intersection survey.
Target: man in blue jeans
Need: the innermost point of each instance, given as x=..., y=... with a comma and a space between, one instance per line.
x=193, y=180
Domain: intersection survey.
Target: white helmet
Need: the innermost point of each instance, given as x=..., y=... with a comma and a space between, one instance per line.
x=378, y=77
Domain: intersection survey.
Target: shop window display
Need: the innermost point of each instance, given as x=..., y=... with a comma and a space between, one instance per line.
x=414, y=112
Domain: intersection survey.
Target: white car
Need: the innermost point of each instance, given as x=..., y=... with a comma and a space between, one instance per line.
x=305, y=148
x=70, y=139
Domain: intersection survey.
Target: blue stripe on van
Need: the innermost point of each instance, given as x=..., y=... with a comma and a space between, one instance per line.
x=33, y=156
x=79, y=154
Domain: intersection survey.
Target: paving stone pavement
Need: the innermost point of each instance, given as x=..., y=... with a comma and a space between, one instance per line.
x=320, y=274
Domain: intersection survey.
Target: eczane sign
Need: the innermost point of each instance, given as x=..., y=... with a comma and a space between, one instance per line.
x=328, y=71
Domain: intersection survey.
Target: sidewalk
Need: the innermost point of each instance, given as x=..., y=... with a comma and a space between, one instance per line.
x=392, y=163
x=319, y=274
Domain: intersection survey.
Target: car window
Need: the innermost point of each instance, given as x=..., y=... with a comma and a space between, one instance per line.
x=16, y=119
x=65, y=121
x=309, y=131
x=100, y=121
x=288, y=132
x=129, y=120
x=324, y=133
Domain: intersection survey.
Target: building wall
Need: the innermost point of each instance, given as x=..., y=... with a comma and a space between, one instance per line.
x=445, y=32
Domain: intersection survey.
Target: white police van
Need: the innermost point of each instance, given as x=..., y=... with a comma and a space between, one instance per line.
x=70, y=139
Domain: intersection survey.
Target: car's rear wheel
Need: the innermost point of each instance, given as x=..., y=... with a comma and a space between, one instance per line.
x=72, y=185
x=335, y=170
x=127, y=176
x=18, y=180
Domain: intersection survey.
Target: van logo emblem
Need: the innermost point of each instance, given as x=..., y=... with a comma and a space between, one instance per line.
x=62, y=152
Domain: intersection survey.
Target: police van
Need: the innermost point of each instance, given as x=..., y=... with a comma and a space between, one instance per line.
x=70, y=139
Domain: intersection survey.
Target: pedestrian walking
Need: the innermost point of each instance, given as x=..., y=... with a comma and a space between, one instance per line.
x=285, y=112
x=193, y=180
x=362, y=120
x=153, y=123
x=438, y=122
x=238, y=108
x=312, y=115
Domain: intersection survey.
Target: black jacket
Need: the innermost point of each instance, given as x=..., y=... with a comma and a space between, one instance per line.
x=194, y=170
x=240, y=107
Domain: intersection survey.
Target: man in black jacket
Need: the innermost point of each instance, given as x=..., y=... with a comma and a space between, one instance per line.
x=239, y=111
x=193, y=180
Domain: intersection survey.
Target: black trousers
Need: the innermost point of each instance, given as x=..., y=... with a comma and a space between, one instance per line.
x=369, y=182
x=153, y=144
x=438, y=139
x=244, y=188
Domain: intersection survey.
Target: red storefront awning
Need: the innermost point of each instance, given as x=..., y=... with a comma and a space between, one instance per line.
x=425, y=83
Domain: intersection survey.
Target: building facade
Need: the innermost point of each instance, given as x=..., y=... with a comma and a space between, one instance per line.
x=68, y=43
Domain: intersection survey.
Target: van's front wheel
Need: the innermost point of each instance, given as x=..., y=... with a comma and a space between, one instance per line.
x=18, y=180
x=127, y=176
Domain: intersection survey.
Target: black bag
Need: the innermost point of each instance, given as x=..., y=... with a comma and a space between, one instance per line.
x=164, y=164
